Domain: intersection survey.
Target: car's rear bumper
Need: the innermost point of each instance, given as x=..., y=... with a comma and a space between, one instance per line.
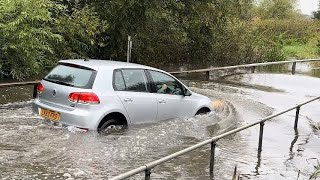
x=72, y=116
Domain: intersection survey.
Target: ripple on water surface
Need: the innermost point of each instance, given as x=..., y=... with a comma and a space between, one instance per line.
x=33, y=148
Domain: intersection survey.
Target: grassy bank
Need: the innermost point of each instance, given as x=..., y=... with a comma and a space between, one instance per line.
x=311, y=49
x=301, y=51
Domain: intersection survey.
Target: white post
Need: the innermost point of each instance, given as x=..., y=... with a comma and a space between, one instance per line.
x=129, y=49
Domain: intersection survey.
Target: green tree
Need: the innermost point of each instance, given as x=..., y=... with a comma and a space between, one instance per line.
x=316, y=14
x=277, y=9
x=25, y=37
x=80, y=29
x=35, y=34
x=125, y=18
x=169, y=32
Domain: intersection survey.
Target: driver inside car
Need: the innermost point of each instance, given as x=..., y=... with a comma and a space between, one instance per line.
x=165, y=89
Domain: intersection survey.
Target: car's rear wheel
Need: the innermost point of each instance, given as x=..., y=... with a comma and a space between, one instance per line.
x=108, y=125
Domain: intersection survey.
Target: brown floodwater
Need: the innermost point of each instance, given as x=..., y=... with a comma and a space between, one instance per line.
x=31, y=148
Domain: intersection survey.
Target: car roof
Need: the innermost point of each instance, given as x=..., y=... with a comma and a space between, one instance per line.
x=104, y=64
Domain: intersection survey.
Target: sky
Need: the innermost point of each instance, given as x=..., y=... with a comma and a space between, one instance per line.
x=308, y=6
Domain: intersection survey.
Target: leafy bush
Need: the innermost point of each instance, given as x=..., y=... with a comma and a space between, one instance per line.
x=26, y=37
x=291, y=31
x=80, y=31
x=276, y=9
x=318, y=47
x=35, y=34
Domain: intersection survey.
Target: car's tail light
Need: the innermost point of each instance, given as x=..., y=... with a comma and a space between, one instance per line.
x=84, y=97
x=40, y=88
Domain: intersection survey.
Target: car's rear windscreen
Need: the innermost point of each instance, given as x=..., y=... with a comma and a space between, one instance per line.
x=72, y=75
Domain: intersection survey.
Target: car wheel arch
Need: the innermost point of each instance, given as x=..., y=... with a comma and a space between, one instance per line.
x=114, y=115
x=203, y=110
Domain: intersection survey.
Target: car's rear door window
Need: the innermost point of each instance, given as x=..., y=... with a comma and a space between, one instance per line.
x=72, y=75
x=130, y=80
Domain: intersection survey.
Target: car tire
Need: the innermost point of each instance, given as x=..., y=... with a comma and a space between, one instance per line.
x=106, y=124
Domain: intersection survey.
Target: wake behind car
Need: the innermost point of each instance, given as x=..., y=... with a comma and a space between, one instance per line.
x=95, y=94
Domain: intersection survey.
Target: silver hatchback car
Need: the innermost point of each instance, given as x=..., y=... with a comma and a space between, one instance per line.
x=95, y=94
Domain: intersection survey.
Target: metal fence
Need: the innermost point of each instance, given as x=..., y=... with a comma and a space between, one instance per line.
x=252, y=66
x=28, y=83
x=148, y=167
x=15, y=84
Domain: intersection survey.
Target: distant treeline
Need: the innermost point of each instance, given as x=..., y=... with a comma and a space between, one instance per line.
x=35, y=34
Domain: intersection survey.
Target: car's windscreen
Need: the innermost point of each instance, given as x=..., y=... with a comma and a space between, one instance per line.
x=70, y=75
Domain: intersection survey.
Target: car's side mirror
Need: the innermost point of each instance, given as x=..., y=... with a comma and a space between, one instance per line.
x=187, y=92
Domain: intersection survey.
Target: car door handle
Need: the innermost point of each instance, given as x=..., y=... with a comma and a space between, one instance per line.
x=128, y=100
x=161, y=101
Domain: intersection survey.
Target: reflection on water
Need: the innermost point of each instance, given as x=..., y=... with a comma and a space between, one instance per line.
x=15, y=94
x=310, y=69
x=31, y=148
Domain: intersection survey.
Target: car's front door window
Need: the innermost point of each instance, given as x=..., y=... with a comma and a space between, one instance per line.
x=165, y=84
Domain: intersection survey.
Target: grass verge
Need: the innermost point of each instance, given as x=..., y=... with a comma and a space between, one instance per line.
x=301, y=51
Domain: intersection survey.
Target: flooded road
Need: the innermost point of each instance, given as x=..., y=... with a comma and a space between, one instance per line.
x=31, y=148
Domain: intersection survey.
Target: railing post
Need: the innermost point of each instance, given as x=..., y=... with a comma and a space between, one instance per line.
x=35, y=91
x=213, y=148
x=297, y=118
x=208, y=75
x=261, y=136
x=294, y=68
x=253, y=68
x=147, y=174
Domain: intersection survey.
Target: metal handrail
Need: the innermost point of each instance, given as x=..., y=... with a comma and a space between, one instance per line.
x=4, y=85
x=27, y=83
x=147, y=168
x=14, y=84
x=247, y=65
